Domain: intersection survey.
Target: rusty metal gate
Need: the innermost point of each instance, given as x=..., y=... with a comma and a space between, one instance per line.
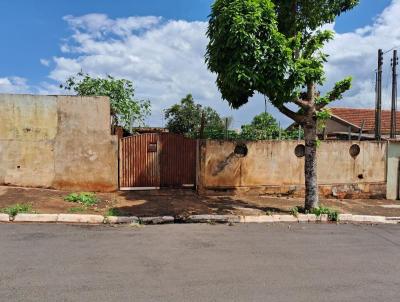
x=154, y=160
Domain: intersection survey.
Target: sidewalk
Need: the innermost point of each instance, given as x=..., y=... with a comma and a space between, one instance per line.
x=182, y=203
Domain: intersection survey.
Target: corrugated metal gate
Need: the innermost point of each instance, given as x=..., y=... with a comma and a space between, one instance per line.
x=152, y=160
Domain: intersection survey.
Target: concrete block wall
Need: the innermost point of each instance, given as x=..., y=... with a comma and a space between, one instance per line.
x=60, y=142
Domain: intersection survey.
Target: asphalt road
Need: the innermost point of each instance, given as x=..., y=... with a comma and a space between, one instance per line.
x=200, y=263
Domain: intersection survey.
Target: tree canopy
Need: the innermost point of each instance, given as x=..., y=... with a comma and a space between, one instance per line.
x=185, y=118
x=125, y=109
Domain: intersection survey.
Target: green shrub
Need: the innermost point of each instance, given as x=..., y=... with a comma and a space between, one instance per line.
x=17, y=208
x=333, y=215
x=85, y=198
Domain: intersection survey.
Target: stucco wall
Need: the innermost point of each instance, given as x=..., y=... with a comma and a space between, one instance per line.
x=274, y=164
x=61, y=142
x=393, y=161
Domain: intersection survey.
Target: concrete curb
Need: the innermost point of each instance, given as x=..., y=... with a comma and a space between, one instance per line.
x=36, y=218
x=157, y=220
x=79, y=218
x=213, y=218
x=98, y=219
x=4, y=217
x=121, y=219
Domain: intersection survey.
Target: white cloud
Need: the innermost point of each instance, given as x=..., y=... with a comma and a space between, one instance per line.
x=355, y=54
x=165, y=59
x=13, y=85
x=45, y=62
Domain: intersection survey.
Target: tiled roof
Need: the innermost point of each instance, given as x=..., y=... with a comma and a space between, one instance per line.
x=356, y=116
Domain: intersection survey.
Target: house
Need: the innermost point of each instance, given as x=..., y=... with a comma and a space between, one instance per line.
x=356, y=121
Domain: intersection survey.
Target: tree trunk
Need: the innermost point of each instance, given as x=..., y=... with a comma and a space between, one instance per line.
x=310, y=165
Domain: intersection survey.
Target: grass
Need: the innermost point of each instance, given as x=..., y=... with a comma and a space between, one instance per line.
x=76, y=210
x=16, y=209
x=85, y=198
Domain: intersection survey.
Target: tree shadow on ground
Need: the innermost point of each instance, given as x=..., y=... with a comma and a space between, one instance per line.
x=182, y=203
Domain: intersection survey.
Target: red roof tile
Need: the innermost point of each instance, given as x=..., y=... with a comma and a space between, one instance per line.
x=356, y=116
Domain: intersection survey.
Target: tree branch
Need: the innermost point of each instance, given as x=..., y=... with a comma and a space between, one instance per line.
x=293, y=115
x=335, y=94
x=302, y=103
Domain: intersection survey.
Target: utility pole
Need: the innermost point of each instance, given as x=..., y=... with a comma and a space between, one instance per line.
x=393, y=116
x=202, y=125
x=378, y=109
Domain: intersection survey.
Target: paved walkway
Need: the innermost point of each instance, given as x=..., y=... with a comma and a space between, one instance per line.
x=200, y=263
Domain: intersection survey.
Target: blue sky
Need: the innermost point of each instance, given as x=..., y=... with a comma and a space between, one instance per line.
x=35, y=30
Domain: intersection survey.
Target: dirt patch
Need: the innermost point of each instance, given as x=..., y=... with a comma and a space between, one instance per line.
x=181, y=203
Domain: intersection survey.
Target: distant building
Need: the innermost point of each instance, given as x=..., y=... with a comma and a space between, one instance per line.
x=356, y=121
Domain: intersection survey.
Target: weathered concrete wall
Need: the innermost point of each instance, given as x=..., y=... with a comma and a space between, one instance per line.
x=61, y=142
x=273, y=167
x=393, y=161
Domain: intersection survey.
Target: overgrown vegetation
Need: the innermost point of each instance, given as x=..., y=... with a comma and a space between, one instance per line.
x=85, y=198
x=16, y=209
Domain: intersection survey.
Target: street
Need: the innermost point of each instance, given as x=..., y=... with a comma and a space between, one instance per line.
x=300, y=262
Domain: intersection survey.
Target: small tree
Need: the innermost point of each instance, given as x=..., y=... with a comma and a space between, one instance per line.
x=263, y=126
x=125, y=110
x=274, y=47
x=185, y=118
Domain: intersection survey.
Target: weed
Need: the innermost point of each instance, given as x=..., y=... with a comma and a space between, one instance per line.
x=333, y=215
x=17, y=208
x=114, y=212
x=85, y=198
x=76, y=210
x=294, y=211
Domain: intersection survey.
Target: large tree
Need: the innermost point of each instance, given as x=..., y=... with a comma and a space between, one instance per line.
x=125, y=109
x=186, y=118
x=274, y=47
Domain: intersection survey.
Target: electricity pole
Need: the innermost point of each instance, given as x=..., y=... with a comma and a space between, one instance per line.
x=393, y=116
x=378, y=109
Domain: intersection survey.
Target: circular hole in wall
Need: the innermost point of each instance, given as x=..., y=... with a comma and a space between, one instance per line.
x=354, y=150
x=241, y=150
x=300, y=150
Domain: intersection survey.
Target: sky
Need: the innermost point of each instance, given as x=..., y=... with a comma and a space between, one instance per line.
x=160, y=46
